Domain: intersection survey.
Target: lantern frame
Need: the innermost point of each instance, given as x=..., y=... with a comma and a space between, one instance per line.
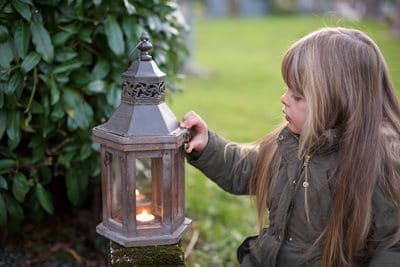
x=142, y=127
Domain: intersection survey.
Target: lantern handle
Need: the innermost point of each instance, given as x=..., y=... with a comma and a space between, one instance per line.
x=130, y=54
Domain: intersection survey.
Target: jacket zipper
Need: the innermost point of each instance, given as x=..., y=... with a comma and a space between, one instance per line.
x=295, y=182
x=305, y=185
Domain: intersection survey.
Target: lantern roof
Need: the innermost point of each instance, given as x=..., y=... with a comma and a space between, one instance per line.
x=143, y=111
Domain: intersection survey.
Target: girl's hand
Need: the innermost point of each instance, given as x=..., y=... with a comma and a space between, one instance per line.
x=198, y=131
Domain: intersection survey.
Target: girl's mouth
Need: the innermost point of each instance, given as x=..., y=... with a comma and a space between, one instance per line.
x=287, y=118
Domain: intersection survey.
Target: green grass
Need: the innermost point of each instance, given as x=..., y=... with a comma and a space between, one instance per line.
x=240, y=101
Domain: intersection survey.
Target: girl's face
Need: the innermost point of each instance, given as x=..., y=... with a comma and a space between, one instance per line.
x=295, y=109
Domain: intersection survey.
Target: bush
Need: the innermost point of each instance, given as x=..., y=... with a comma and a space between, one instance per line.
x=60, y=67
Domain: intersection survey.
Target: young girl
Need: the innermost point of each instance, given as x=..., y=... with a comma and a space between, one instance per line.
x=330, y=177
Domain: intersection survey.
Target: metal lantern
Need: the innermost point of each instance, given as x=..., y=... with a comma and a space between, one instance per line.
x=142, y=161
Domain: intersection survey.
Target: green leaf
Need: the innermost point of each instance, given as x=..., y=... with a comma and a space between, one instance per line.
x=60, y=38
x=65, y=159
x=65, y=54
x=113, y=95
x=13, y=119
x=3, y=211
x=3, y=34
x=3, y=122
x=44, y=198
x=68, y=66
x=154, y=23
x=27, y=2
x=85, y=57
x=22, y=36
x=3, y=183
x=81, y=77
x=20, y=187
x=13, y=143
x=52, y=85
x=39, y=146
x=71, y=124
x=129, y=7
x=85, y=151
x=7, y=153
x=72, y=186
x=101, y=69
x=71, y=28
x=13, y=207
x=14, y=83
x=72, y=147
x=6, y=55
x=30, y=61
x=86, y=35
x=97, y=2
x=35, y=140
x=131, y=30
x=57, y=113
x=47, y=126
x=1, y=99
x=114, y=35
x=41, y=40
x=62, y=78
x=54, y=92
x=6, y=164
x=77, y=109
x=22, y=8
x=96, y=87
x=36, y=107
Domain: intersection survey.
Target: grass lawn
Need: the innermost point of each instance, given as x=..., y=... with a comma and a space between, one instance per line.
x=240, y=100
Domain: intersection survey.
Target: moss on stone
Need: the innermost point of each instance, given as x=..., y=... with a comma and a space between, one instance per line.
x=166, y=255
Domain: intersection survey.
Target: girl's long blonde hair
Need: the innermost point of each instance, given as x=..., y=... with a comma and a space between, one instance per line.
x=344, y=79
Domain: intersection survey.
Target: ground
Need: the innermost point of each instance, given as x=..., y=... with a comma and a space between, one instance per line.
x=62, y=241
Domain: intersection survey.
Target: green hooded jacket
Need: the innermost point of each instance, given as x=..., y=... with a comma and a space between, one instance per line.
x=287, y=240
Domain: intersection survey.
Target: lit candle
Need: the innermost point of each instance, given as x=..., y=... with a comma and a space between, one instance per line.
x=144, y=216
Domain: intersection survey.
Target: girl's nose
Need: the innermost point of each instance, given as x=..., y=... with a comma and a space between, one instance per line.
x=284, y=99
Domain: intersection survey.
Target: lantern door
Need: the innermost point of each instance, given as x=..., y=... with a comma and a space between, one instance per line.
x=112, y=183
x=148, y=203
x=152, y=179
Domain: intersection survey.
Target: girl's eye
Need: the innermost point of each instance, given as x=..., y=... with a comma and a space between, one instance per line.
x=297, y=98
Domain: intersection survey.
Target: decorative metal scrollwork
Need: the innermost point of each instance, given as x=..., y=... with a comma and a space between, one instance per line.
x=143, y=93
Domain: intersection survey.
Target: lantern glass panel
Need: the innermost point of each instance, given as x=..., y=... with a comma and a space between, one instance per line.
x=148, y=194
x=116, y=186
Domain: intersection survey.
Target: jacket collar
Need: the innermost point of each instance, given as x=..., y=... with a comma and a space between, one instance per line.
x=328, y=142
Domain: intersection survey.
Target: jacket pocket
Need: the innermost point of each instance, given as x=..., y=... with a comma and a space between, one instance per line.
x=260, y=252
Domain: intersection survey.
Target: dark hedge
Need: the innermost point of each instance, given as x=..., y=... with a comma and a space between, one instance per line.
x=60, y=67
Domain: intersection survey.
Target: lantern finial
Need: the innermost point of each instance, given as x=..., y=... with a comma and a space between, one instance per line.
x=144, y=47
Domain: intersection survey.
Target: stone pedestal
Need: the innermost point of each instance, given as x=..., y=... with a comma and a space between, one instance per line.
x=165, y=255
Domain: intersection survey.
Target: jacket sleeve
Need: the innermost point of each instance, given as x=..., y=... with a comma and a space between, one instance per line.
x=227, y=164
x=386, y=226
